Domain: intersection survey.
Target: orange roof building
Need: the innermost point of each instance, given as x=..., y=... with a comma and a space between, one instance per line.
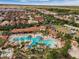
x=3, y=37
x=38, y=18
x=31, y=29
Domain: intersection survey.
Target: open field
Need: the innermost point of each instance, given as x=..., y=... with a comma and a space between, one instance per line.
x=38, y=6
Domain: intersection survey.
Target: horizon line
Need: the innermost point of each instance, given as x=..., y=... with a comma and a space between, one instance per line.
x=33, y=4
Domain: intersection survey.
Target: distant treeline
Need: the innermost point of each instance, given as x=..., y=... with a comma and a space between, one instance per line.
x=64, y=11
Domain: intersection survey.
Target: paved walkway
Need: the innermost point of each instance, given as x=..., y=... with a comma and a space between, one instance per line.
x=74, y=52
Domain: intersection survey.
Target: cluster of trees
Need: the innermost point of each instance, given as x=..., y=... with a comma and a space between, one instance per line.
x=77, y=39
x=65, y=36
x=43, y=53
x=1, y=41
x=10, y=27
x=49, y=19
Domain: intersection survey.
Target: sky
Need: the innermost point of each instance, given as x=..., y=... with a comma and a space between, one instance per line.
x=42, y=2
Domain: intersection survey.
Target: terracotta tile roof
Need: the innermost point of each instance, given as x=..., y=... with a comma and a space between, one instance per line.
x=31, y=29
x=39, y=18
x=4, y=36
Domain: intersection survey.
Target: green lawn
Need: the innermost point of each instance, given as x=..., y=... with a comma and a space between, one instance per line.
x=1, y=41
x=57, y=26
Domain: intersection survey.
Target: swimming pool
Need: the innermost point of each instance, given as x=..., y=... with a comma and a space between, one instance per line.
x=50, y=42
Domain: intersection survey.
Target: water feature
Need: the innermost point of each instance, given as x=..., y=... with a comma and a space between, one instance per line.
x=51, y=42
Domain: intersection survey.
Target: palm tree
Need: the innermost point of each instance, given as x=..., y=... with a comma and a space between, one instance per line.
x=29, y=37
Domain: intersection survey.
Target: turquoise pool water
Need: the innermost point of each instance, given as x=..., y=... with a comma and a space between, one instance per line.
x=38, y=39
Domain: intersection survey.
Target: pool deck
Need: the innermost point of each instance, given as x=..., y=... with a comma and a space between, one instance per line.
x=33, y=35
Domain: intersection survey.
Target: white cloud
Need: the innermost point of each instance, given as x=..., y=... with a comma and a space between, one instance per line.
x=32, y=0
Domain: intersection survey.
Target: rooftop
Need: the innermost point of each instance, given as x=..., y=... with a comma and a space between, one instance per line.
x=31, y=29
